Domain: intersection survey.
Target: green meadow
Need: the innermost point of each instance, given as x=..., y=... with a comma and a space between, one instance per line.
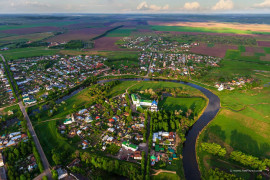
x=183, y=103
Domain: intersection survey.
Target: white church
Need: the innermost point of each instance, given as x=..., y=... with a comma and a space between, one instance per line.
x=153, y=105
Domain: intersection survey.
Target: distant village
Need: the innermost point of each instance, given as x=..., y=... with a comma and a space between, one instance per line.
x=172, y=65
x=237, y=83
x=155, y=44
x=37, y=76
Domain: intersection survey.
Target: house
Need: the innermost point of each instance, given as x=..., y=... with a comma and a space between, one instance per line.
x=137, y=155
x=128, y=146
x=88, y=119
x=62, y=173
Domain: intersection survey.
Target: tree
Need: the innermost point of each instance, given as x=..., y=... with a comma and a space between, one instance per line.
x=56, y=158
x=54, y=175
x=22, y=177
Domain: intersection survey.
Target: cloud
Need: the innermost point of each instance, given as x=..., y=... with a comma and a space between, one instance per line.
x=28, y=3
x=223, y=5
x=152, y=7
x=265, y=4
x=192, y=6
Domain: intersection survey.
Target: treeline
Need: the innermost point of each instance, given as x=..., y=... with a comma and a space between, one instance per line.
x=32, y=44
x=248, y=160
x=242, y=158
x=216, y=174
x=214, y=149
x=105, y=33
x=122, y=168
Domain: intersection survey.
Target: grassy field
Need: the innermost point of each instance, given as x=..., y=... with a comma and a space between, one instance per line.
x=28, y=52
x=165, y=176
x=234, y=68
x=27, y=37
x=120, y=33
x=171, y=104
x=243, y=122
x=204, y=30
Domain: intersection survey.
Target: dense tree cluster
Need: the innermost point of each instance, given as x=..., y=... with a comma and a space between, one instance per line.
x=169, y=121
x=100, y=89
x=19, y=153
x=213, y=148
x=248, y=160
x=127, y=169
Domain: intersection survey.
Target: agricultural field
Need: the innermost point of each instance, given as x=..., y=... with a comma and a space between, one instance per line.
x=107, y=44
x=122, y=32
x=28, y=52
x=25, y=38
x=215, y=27
x=84, y=34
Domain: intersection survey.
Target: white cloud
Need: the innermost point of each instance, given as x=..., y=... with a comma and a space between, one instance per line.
x=223, y=5
x=28, y=3
x=152, y=7
x=142, y=6
x=265, y=4
x=192, y=6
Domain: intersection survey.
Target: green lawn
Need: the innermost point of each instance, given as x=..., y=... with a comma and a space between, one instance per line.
x=171, y=104
x=165, y=176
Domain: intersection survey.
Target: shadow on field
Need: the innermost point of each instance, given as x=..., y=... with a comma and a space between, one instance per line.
x=246, y=144
x=216, y=130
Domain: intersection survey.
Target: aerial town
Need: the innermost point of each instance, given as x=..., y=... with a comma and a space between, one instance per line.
x=146, y=95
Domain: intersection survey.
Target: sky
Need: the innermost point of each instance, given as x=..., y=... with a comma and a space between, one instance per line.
x=135, y=6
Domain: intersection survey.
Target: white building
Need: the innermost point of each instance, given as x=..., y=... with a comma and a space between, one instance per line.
x=153, y=105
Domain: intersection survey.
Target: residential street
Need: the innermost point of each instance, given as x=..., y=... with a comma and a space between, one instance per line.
x=43, y=158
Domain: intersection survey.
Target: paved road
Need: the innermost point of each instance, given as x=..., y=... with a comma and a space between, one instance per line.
x=189, y=151
x=43, y=158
